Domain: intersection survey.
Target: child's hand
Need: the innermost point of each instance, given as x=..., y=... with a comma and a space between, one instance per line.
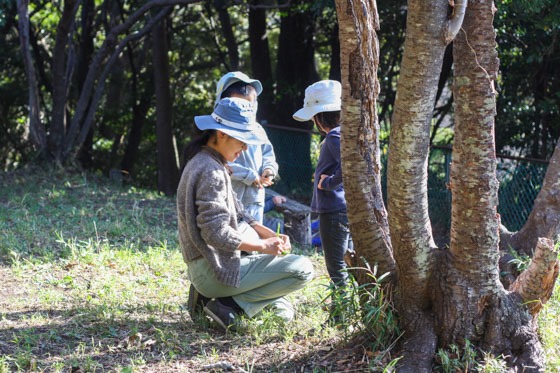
x=319, y=184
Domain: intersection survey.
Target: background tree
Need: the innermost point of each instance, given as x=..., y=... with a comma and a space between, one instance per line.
x=261, y=63
x=528, y=121
x=525, y=29
x=13, y=94
x=168, y=167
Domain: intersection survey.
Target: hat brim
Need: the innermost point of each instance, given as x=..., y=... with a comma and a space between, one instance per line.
x=306, y=113
x=253, y=135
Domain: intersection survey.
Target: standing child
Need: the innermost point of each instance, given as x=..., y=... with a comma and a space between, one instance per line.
x=322, y=106
x=256, y=168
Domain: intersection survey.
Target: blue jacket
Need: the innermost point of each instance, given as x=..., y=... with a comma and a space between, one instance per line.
x=247, y=168
x=331, y=197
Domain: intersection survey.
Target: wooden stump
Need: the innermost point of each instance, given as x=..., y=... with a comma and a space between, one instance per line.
x=297, y=220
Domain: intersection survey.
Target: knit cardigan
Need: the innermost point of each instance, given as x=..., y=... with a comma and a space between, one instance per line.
x=208, y=216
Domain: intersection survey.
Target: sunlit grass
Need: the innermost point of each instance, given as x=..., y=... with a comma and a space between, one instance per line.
x=94, y=279
x=549, y=331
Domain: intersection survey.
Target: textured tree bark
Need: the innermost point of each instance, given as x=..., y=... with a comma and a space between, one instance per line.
x=471, y=302
x=360, y=137
x=536, y=283
x=407, y=178
x=450, y=296
x=474, y=187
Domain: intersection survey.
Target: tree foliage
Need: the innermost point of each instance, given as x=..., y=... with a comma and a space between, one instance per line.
x=208, y=38
x=528, y=120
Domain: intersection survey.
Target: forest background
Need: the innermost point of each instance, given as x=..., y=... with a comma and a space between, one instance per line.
x=115, y=84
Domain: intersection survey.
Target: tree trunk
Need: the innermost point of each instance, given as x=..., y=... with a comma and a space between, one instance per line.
x=295, y=70
x=36, y=130
x=261, y=65
x=360, y=137
x=141, y=103
x=407, y=178
x=474, y=187
x=84, y=57
x=296, y=61
x=227, y=33
x=93, y=85
x=168, y=169
x=62, y=68
x=471, y=302
x=336, y=69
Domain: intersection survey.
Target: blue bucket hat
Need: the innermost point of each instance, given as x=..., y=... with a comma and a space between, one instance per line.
x=235, y=117
x=232, y=77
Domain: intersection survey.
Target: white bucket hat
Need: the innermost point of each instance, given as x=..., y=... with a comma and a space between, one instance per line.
x=232, y=77
x=325, y=95
x=235, y=117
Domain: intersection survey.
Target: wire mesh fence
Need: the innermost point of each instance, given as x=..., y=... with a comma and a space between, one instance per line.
x=520, y=179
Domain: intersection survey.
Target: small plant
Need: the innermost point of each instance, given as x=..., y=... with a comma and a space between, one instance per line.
x=4, y=364
x=521, y=262
x=449, y=360
x=492, y=364
x=24, y=361
x=391, y=367
x=467, y=359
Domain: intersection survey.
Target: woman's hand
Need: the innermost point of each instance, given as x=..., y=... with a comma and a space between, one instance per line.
x=287, y=245
x=272, y=243
x=278, y=245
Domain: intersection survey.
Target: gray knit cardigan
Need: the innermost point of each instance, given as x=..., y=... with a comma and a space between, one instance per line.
x=208, y=215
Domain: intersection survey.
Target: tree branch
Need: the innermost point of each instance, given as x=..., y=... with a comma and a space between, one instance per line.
x=544, y=220
x=456, y=21
x=536, y=283
x=111, y=40
x=101, y=82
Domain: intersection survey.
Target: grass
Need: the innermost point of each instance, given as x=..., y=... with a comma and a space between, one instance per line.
x=93, y=281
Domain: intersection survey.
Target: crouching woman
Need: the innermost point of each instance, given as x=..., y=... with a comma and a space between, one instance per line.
x=215, y=234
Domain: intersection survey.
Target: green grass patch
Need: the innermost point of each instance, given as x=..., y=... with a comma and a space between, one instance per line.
x=93, y=279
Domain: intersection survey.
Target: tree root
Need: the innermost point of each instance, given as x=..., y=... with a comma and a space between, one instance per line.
x=419, y=346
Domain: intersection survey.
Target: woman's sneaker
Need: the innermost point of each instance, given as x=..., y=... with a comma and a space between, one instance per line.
x=224, y=315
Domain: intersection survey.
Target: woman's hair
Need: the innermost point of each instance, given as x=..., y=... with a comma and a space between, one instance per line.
x=329, y=119
x=193, y=147
x=239, y=88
